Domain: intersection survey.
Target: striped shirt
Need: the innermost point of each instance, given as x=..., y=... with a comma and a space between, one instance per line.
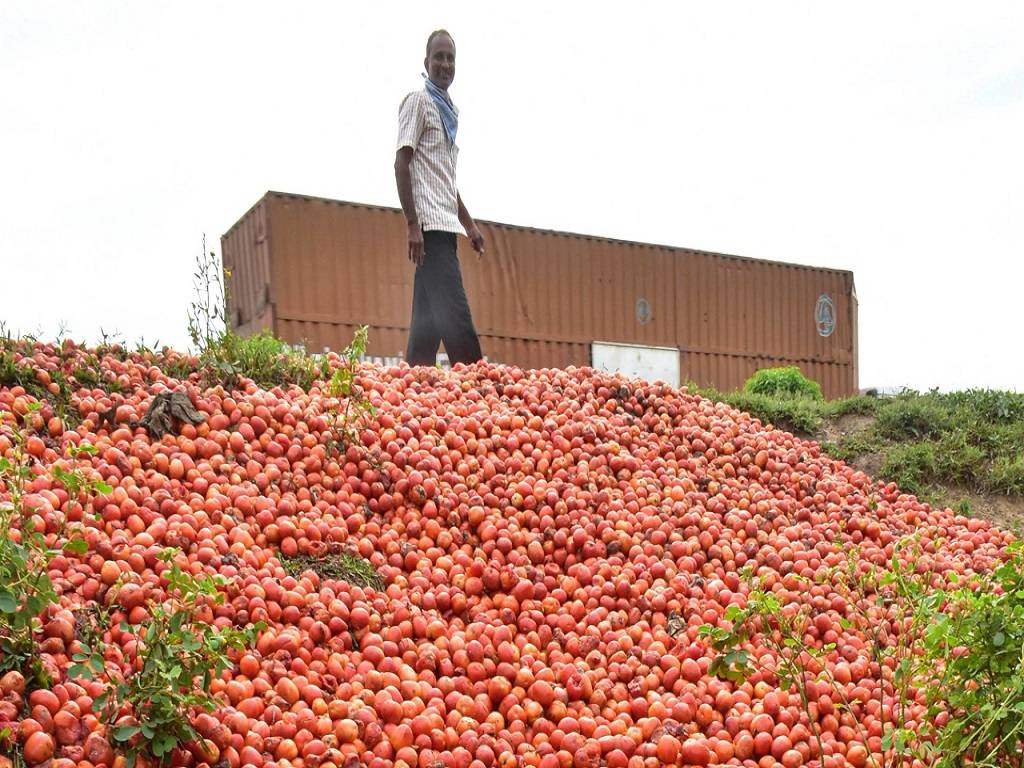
x=433, y=163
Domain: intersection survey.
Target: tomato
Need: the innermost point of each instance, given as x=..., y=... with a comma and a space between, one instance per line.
x=494, y=567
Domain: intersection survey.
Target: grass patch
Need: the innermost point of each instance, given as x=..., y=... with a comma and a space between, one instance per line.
x=860, y=405
x=263, y=358
x=854, y=445
x=344, y=567
x=913, y=418
x=1007, y=476
x=795, y=415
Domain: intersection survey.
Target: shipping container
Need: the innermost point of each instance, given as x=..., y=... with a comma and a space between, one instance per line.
x=312, y=270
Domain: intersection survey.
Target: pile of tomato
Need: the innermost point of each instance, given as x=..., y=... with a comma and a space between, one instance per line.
x=549, y=543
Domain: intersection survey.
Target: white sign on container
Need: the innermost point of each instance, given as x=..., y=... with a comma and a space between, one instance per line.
x=650, y=363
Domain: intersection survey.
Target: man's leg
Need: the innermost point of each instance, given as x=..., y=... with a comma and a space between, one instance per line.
x=447, y=298
x=424, y=337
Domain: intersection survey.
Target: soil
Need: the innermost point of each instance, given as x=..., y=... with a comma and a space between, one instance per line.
x=1005, y=511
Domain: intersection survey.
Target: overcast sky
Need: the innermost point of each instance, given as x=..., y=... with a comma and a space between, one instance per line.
x=882, y=137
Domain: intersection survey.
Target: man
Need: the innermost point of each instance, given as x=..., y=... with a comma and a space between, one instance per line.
x=434, y=213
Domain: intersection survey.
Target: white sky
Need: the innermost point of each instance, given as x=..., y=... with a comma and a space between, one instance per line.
x=882, y=137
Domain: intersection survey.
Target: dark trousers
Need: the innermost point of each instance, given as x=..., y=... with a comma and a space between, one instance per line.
x=440, y=311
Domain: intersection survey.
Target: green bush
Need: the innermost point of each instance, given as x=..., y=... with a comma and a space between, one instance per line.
x=910, y=466
x=1007, y=476
x=782, y=382
x=270, y=362
x=862, y=405
x=179, y=653
x=26, y=590
x=224, y=356
x=913, y=417
x=974, y=644
x=988, y=405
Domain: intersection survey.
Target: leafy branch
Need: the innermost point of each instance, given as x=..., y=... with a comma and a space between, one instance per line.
x=177, y=658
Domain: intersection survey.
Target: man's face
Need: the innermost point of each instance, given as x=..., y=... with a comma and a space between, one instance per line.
x=440, y=62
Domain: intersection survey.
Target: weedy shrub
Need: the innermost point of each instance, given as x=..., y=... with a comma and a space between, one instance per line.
x=975, y=642
x=351, y=405
x=1007, y=475
x=782, y=382
x=224, y=356
x=180, y=652
x=960, y=645
x=910, y=466
x=26, y=590
x=913, y=417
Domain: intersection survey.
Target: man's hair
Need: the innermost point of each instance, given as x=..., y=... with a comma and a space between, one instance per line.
x=438, y=33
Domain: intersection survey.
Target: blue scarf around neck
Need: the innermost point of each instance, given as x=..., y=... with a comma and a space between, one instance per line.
x=449, y=116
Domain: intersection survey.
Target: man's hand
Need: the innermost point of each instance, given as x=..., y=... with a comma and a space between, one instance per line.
x=416, y=250
x=476, y=239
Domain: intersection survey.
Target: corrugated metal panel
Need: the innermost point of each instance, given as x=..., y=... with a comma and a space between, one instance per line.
x=590, y=288
x=245, y=250
x=539, y=298
x=320, y=336
x=338, y=262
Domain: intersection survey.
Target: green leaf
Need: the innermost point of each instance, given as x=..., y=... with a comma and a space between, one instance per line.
x=102, y=487
x=126, y=732
x=8, y=603
x=77, y=546
x=163, y=744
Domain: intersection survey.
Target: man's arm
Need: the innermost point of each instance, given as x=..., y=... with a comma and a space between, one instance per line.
x=403, y=178
x=471, y=229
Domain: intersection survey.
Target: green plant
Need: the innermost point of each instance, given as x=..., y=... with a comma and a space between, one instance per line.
x=269, y=361
x=913, y=416
x=797, y=415
x=859, y=404
x=961, y=645
x=782, y=382
x=910, y=466
x=207, y=314
x=25, y=586
x=976, y=642
x=782, y=632
x=224, y=356
x=855, y=444
x=345, y=420
x=891, y=607
x=1007, y=475
x=179, y=653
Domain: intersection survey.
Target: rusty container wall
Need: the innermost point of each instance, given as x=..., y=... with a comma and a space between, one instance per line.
x=736, y=315
x=323, y=267
x=245, y=250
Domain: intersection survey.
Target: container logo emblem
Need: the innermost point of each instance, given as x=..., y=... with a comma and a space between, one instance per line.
x=825, y=315
x=643, y=311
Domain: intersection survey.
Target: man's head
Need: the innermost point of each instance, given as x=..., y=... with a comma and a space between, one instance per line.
x=440, y=61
